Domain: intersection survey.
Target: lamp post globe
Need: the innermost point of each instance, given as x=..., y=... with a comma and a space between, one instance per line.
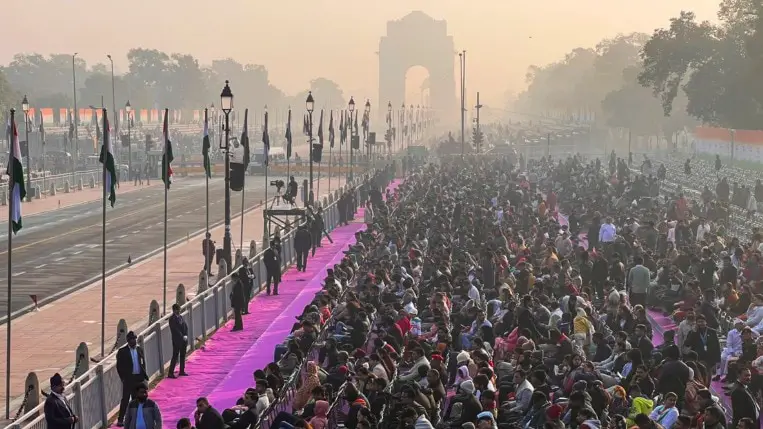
x=128, y=110
x=368, y=106
x=25, y=105
x=389, y=107
x=351, y=105
x=25, y=108
x=226, y=99
x=310, y=102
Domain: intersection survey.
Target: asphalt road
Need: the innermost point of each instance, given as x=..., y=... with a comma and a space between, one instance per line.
x=62, y=248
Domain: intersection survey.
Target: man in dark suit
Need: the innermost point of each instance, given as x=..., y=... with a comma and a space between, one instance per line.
x=302, y=243
x=238, y=301
x=704, y=341
x=272, y=260
x=179, y=331
x=131, y=367
x=743, y=403
x=58, y=413
x=206, y=416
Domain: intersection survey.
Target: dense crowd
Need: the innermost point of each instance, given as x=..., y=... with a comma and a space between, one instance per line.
x=492, y=292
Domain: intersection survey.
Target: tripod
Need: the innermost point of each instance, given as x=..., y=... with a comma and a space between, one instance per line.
x=277, y=199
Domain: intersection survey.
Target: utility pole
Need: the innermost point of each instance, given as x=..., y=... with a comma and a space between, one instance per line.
x=479, y=133
x=462, y=58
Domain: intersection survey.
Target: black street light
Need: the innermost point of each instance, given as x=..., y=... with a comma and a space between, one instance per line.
x=25, y=108
x=226, y=104
x=351, y=108
x=367, y=114
x=389, y=126
x=310, y=105
x=128, y=111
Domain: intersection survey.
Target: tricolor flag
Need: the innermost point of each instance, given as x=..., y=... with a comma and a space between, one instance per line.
x=107, y=159
x=205, y=146
x=167, y=156
x=320, y=130
x=342, y=129
x=331, y=128
x=306, y=125
x=16, y=176
x=288, y=136
x=245, y=140
x=265, y=143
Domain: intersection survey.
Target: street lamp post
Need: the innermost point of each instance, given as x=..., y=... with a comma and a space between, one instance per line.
x=389, y=127
x=310, y=105
x=351, y=108
x=368, y=130
x=25, y=108
x=128, y=110
x=226, y=103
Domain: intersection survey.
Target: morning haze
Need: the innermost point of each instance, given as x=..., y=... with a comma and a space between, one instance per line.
x=300, y=40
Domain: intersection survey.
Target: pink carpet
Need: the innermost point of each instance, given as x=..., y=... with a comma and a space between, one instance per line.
x=224, y=368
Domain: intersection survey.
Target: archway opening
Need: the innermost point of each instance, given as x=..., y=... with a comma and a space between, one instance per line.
x=417, y=88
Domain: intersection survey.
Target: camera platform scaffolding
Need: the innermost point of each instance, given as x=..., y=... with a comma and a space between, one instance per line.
x=280, y=216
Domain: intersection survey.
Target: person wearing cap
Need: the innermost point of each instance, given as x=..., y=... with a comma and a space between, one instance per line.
x=131, y=367
x=486, y=420
x=58, y=412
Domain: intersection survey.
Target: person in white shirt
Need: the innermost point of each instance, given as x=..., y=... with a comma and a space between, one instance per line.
x=733, y=348
x=607, y=232
x=702, y=229
x=755, y=314
x=666, y=414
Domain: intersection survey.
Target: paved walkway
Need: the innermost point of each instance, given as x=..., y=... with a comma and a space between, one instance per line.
x=222, y=370
x=61, y=200
x=45, y=341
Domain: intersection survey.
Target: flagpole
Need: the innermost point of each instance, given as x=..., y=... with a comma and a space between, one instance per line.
x=103, y=242
x=331, y=147
x=206, y=175
x=166, y=168
x=10, y=265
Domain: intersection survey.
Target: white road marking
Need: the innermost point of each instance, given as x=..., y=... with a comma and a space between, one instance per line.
x=40, y=266
x=77, y=252
x=19, y=274
x=58, y=259
x=121, y=237
x=109, y=241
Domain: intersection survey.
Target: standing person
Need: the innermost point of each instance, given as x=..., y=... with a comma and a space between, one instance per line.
x=316, y=228
x=237, y=301
x=743, y=403
x=143, y=413
x=302, y=243
x=272, y=260
x=368, y=214
x=131, y=367
x=638, y=282
x=607, y=233
x=247, y=277
x=179, y=331
x=208, y=250
x=704, y=341
x=58, y=413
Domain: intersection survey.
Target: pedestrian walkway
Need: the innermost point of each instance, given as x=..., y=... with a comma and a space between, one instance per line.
x=222, y=370
x=45, y=341
x=61, y=200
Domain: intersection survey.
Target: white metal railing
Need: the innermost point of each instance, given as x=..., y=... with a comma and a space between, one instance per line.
x=97, y=393
x=59, y=180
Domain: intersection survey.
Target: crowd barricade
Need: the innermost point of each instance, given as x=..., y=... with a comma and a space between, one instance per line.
x=88, y=178
x=96, y=394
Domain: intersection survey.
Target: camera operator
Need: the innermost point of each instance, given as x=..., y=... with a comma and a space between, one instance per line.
x=293, y=188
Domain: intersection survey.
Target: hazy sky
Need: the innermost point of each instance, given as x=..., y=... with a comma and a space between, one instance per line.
x=298, y=40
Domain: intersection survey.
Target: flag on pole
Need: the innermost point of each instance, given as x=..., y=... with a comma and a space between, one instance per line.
x=331, y=128
x=71, y=126
x=167, y=156
x=97, y=127
x=342, y=129
x=16, y=178
x=288, y=136
x=306, y=125
x=107, y=159
x=42, y=131
x=266, y=141
x=356, y=126
x=245, y=139
x=320, y=130
x=205, y=145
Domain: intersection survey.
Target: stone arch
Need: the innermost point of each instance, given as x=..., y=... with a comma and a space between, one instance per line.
x=418, y=40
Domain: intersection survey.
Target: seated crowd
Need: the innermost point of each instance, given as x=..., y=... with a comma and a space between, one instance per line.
x=482, y=296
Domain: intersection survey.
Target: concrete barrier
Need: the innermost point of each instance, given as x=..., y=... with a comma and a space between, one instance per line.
x=52, y=189
x=91, y=182
x=67, y=188
x=31, y=392
x=252, y=249
x=80, y=184
x=121, y=334
x=154, y=313
x=37, y=192
x=81, y=360
x=222, y=270
x=203, y=282
x=180, y=296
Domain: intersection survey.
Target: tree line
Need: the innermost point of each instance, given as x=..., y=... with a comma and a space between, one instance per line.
x=154, y=79
x=686, y=73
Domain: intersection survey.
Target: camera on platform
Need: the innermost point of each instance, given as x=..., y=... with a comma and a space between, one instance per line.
x=278, y=184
